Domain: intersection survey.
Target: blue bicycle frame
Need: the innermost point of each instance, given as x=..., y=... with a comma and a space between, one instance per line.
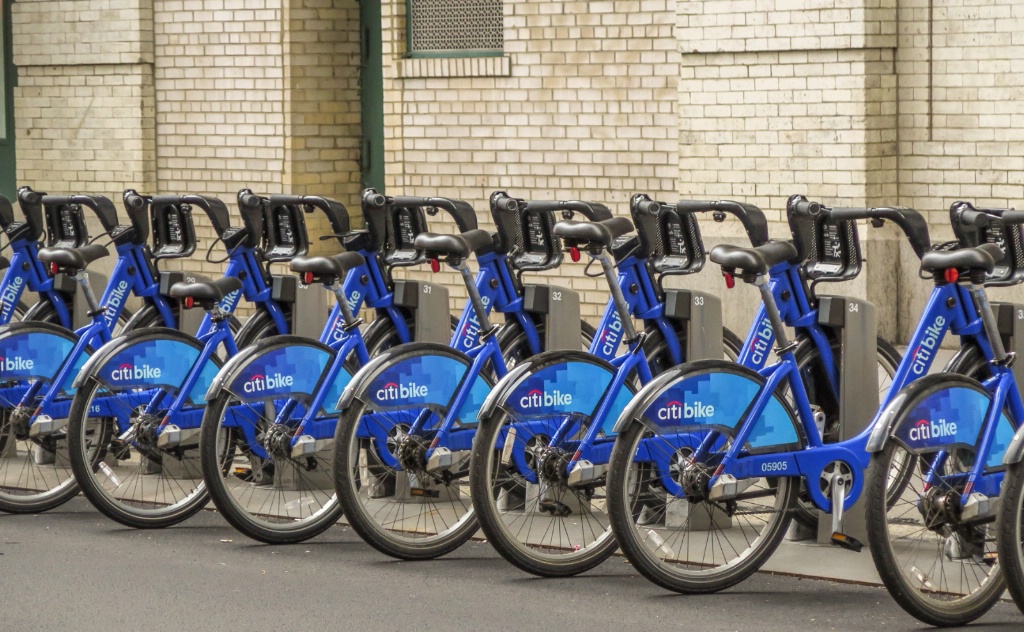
x=26, y=272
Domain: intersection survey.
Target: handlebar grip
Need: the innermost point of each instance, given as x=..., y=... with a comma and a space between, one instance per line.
x=373, y=199
x=27, y=196
x=806, y=208
x=695, y=206
x=249, y=199
x=975, y=218
x=1012, y=217
x=134, y=201
x=648, y=207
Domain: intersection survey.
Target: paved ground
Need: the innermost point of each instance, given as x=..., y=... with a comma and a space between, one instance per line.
x=74, y=570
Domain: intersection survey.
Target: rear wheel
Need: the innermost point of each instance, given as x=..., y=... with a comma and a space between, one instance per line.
x=390, y=498
x=940, y=567
x=133, y=477
x=690, y=543
x=1011, y=532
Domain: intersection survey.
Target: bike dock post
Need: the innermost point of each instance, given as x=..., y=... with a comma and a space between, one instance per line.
x=560, y=309
x=310, y=307
x=701, y=316
x=1010, y=321
x=855, y=323
x=429, y=304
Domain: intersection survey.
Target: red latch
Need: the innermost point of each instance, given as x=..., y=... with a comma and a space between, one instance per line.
x=952, y=274
x=435, y=265
x=54, y=268
x=574, y=254
x=307, y=278
x=189, y=302
x=730, y=280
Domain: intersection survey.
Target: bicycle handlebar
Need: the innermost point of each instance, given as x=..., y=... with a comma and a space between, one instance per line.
x=752, y=218
x=214, y=208
x=910, y=221
x=335, y=211
x=593, y=211
x=101, y=206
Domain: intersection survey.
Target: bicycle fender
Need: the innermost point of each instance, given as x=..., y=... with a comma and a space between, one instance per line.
x=151, y=357
x=33, y=350
x=942, y=411
x=558, y=382
x=279, y=367
x=1015, y=453
x=419, y=374
x=715, y=393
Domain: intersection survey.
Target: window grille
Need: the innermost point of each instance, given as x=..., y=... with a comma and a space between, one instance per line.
x=455, y=28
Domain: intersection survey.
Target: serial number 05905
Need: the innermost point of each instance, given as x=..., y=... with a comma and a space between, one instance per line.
x=775, y=466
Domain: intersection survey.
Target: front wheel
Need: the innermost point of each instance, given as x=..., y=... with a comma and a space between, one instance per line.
x=1011, y=532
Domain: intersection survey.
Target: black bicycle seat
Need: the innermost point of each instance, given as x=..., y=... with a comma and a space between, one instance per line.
x=983, y=257
x=454, y=245
x=336, y=266
x=73, y=258
x=211, y=292
x=756, y=260
x=601, y=233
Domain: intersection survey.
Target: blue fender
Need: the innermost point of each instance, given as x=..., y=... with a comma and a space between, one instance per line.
x=279, y=367
x=417, y=373
x=34, y=350
x=151, y=357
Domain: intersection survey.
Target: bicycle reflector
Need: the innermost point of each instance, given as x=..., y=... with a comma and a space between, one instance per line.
x=307, y=278
x=574, y=254
x=54, y=268
x=189, y=302
x=435, y=265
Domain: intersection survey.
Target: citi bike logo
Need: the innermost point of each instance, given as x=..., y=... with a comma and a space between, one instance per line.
x=925, y=430
x=16, y=363
x=678, y=410
x=392, y=391
x=537, y=398
x=116, y=298
x=353, y=299
x=762, y=341
x=611, y=336
x=470, y=331
x=338, y=330
x=131, y=372
x=10, y=296
x=259, y=383
x=923, y=354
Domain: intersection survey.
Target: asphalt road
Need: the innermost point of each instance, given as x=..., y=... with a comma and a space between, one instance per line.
x=71, y=569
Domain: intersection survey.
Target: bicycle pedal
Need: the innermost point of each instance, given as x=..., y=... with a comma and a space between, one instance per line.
x=421, y=492
x=555, y=508
x=847, y=542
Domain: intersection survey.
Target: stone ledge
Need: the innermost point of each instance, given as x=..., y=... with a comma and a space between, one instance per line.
x=414, y=68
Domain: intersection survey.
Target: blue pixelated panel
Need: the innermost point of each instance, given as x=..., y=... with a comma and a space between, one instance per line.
x=281, y=373
x=35, y=354
x=721, y=399
x=335, y=389
x=952, y=415
x=149, y=363
x=67, y=387
x=572, y=387
x=419, y=380
x=1003, y=439
x=622, y=400
x=470, y=413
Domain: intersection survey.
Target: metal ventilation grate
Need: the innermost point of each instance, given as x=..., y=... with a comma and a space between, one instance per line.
x=455, y=26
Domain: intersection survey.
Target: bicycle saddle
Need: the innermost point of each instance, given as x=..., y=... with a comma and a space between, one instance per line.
x=602, y=233
x=756, y=260
x=212, y=291
x=335, y=266
x=454, y=245
x=983, y=257
x=73, y=258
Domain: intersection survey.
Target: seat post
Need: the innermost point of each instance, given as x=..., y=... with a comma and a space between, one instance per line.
x=346, y=309
x=81, y=277
x=621, y=306
x=783, y=344
x=474, y=296
x=988, y=320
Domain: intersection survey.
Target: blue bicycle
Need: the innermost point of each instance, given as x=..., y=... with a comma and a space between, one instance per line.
x=271, y=417
x=133, y=427
x=711, y=457
x=539, y=467
x=402, y=449
x=64, y=227
x=42, y=359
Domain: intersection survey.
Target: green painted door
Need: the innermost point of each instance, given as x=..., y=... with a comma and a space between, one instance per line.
x=7, y=80
x=372, y=94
